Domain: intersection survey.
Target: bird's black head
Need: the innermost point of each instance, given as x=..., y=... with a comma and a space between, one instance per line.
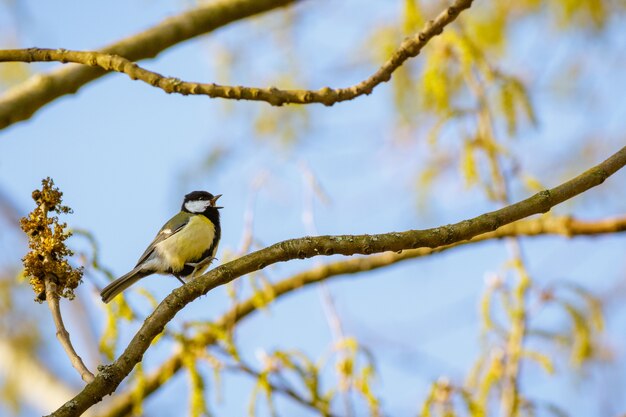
x=200, y=202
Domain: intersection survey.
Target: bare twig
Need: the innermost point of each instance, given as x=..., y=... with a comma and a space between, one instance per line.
x=313, y=189
x=544, y=226
x=334, y=322
x=516, y=334
x=110, y=376
x=23, y=100
x=109, y=61
x=247, y=235
x=63, y=335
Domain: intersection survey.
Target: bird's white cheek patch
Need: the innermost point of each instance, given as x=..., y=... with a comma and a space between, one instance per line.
x=197, y=206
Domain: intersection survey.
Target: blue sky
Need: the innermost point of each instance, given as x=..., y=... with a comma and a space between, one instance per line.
x=124, y=154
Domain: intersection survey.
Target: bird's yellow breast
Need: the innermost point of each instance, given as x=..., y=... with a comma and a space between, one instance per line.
x=188, y=244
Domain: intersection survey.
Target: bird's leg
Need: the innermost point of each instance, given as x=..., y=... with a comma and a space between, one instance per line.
x=199, y=267
x=180, y=279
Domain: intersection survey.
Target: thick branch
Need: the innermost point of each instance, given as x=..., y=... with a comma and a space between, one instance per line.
x=112, y=375
x=22, y=101
x=63, y=335
x=542, y=226
x=410, y=48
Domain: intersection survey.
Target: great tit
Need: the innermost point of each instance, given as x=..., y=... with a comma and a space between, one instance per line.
x=185, y=245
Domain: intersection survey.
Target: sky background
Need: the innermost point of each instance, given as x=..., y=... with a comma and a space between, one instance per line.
x=124, y=154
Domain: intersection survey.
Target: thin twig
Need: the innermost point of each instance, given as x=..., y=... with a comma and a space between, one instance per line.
x=313, y=189
x=247, y=235
x=409, y=48
x=334, y=322
x=63, y=335
x=515, y=336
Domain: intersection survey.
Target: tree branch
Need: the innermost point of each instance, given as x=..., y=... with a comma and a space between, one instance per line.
x=23, y=100
x=542, y=226
x=409, y=48
x=63, y=335
x=110, y=376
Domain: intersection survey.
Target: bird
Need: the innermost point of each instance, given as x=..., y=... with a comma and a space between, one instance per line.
x=184, y=246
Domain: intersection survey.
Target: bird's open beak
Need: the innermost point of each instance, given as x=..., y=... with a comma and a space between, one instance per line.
x=215, y=200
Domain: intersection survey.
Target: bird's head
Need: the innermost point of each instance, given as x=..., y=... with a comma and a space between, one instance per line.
x=200, y=201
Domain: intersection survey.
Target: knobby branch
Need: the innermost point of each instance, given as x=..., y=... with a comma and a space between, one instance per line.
x=112, y=62
x=110, y=376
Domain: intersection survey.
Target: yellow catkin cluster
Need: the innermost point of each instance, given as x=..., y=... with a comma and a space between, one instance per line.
x=46, y=241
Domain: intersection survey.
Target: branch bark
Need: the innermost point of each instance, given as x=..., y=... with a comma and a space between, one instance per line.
x=543, y=226
x=23, y=100
x=410, y=48
x=110, y=376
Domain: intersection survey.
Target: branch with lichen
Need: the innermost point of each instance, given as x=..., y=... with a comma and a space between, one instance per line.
x=544, y=226
x=51, y=275
x=22, y=101
x=117, y=62
x=111, y=376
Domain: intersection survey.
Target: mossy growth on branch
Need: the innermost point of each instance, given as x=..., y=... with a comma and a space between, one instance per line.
x=47, y=258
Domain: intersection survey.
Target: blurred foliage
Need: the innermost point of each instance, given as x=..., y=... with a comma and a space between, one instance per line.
x=483, y=393
x=456, y=82
x=287, y=125
x=116, y=310
x=293, y=373
x=209, y=163
x=197, y=404
x=18, y=330
x=508, y=308
x=138, y=390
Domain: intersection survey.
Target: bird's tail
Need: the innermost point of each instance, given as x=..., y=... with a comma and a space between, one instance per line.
x=122, y=283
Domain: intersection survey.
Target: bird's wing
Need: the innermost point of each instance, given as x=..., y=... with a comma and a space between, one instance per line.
x=173, y=226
